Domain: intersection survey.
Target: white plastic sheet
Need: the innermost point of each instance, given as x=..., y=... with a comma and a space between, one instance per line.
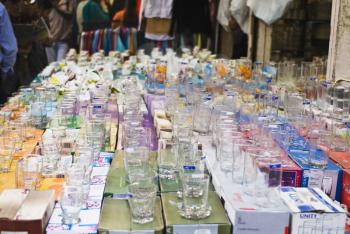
x=240, y=11
x=268, y=10
x=224, y=14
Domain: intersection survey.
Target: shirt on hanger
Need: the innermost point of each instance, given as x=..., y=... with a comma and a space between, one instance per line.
x=158, y=8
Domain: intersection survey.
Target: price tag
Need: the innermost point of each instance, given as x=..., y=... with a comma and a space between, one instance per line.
x=122, y=196
x=189, y=167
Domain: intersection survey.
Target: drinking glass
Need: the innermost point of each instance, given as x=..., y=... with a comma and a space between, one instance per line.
x=142, y=201
x=201, y=118
x=71, y=201
x=7, y=149
x=167, y=160
x=136, y=161
x=29, y=172
x=185, y=152
x=38, y=114
x=29, y=130
x=268, y=180
x=50, y=162
x=195, y=196
x=317, y=158
x=226, y=156
x=79, y=175
x=67, y=111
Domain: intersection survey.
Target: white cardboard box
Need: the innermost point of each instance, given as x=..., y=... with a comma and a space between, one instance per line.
x=245, y=215
x=248, y=218
x=313, y=212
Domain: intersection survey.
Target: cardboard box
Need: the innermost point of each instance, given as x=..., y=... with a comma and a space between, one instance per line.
x=330, y=181
x=89, y=216
x=345, y=196
x=248, y=218
x=312, y=211
x=217, y=222
x=116, y=182
x=340, y=158
x=245, y=215
x=116, y=218
x=28, y=212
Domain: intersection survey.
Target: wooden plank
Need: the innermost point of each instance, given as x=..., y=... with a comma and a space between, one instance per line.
x=264, y=39
x=339, y=49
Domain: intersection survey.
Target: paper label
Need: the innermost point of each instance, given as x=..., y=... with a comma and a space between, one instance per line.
x=122, y=196
x=315, y=178
x=196, y=229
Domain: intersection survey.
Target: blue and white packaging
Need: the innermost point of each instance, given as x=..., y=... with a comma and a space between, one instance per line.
x=330, y=179
x=312, y=211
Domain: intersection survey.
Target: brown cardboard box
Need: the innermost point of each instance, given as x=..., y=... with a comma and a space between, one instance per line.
x=28, y=212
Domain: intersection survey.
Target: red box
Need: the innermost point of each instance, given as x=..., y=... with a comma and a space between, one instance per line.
x=291, y=172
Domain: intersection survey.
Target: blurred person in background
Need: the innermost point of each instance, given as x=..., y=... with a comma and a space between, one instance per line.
x=60, y=20
x=8, y=51
x=94, y=17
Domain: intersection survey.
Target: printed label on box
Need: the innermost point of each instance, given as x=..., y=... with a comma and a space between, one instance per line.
x=196, y=229
x=315, y=177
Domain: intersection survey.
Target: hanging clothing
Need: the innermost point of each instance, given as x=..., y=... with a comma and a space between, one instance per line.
x=158, y=26
x=119, y=39
x=158, y=8
x=191, y=16
x=158, y=14
x=94, y=17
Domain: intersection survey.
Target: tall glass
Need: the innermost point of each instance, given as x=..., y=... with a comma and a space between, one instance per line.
x=195, y=196
x=29, y=172
x=7, y=149
x=167, y=160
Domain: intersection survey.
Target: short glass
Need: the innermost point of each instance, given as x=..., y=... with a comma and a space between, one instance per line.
x=71, y=201
x=142, y=201
x=195, y=196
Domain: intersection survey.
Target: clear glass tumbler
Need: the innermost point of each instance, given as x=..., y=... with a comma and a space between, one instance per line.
x=142, y=202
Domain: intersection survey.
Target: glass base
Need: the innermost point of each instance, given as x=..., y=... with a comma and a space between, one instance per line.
x=195, y=214
x=70, y=221
x=142, y=220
